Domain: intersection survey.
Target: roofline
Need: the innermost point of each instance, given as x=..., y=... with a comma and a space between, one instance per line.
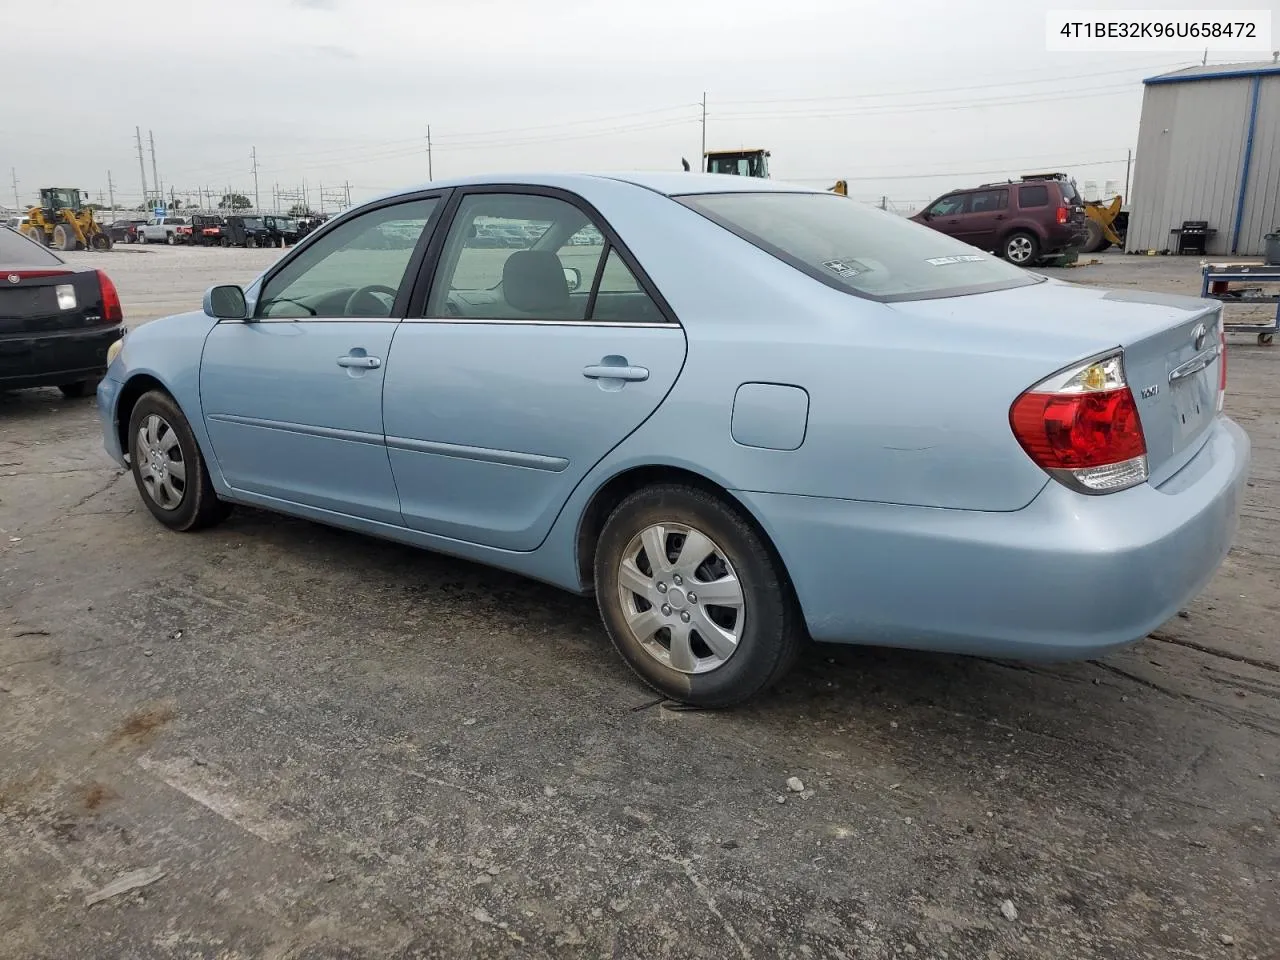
x=1217, y=75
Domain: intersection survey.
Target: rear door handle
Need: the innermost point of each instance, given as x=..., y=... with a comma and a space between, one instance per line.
x=362, y=363
x=601, y=371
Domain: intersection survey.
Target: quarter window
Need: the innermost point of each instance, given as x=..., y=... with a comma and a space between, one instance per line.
x=355, y=270
x=1034, y=196
x=620, y=298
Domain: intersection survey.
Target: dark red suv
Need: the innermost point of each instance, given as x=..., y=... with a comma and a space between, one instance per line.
x=1025, y=221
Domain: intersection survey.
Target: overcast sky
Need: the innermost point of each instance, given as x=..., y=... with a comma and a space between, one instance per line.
x=879, y=93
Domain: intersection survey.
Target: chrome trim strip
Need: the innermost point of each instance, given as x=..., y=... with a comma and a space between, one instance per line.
x=543, y=323
x=509, y=458
x=1194, y=365
x=329, y=433
x=465, y=320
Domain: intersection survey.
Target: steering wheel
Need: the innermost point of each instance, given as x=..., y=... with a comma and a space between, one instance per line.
x=353, y=301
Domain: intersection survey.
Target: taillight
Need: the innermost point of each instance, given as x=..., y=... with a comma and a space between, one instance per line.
x=1082, y=427
x=1222, y=363
x=1062, y=214
x=112, y=311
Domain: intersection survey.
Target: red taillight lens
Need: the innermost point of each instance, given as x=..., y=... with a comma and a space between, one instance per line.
x=112, y=311
x=1222, y=361
x=1062, y=214
x=1072, y=431
x=1082, y=427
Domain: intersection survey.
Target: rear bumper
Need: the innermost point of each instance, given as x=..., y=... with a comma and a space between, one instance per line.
x=1069, y=576
x=52, y=359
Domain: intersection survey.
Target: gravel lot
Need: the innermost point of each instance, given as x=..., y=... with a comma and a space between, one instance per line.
x=330, y=746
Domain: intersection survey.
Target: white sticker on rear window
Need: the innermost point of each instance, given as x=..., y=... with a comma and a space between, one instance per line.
x=845, y=268
x=942, y=261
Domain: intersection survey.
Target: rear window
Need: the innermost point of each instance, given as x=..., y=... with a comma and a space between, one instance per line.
x=856, y=248
x=17, y=251
x=1069, y=191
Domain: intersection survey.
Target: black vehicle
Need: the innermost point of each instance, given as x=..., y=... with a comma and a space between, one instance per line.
x=207, y=231
x=124, y=231
x=57, y=321
x=283, y=230
x=246, y=232
x=307, y=224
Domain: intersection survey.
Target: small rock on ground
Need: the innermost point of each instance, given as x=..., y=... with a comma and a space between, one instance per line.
x=1009, y=911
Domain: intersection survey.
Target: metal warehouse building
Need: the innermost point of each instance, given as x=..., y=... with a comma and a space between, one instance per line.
x=1208, y=149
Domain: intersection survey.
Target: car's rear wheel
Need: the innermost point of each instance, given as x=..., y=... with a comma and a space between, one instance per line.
x=692, y=597
x=168, y=468
x=1021, y=248
x=170, y=239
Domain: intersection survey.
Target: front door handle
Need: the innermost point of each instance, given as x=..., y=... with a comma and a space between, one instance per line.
x=604, y=371
x=361, y=363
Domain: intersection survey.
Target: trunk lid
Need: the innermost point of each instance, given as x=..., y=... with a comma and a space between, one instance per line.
x=34, y=305
x=1174, y=381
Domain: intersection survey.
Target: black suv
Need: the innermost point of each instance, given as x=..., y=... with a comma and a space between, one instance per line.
x=1027, y=221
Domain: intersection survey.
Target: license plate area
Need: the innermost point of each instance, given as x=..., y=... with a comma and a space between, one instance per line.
x=1194, y=401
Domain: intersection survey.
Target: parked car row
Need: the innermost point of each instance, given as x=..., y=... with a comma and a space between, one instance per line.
x=216, y=230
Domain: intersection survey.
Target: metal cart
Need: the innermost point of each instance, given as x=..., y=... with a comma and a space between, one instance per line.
x=1217, y=283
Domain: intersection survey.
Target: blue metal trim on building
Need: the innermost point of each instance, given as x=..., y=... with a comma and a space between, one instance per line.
x=1255, y=90
x=1219, y=75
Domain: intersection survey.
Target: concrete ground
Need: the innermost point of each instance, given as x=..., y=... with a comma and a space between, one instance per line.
x=311, y=745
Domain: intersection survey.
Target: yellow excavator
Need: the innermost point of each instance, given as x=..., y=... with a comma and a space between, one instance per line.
x=62, y=221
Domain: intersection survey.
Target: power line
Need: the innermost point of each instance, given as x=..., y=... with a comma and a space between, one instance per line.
x=953, y=89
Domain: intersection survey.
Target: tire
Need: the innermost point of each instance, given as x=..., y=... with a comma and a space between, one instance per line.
x=1093, y=238
x=170, y=239
x=100, y=241
x=78, y=389
x=1020, y=248
x=64, y=238
x=766, y=623
x=251, y=242
x=226, y=241
x=183, y=503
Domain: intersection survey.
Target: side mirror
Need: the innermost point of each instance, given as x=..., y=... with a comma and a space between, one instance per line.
x=573, y=277
x=226, y=302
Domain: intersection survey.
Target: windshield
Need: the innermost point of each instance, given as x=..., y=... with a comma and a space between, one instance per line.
x=856, y=248
x=253, y=223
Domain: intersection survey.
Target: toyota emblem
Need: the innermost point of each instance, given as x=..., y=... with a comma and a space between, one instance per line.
x=14, y=278
x=1200, y=335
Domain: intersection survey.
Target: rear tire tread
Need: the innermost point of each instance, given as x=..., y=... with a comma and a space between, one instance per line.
x=773, y=648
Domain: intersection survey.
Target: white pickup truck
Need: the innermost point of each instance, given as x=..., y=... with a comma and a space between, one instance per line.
x=160, y=230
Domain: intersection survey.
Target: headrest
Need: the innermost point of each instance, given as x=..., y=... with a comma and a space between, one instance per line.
x=533, y=281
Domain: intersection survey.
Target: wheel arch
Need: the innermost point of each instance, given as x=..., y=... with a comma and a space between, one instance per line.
x=621, y=485
x=130, y=394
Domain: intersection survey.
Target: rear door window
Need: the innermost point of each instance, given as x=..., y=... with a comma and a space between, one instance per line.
x=857, y=248
x=985, y=201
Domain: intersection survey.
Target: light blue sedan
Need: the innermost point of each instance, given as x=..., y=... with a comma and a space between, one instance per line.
x=743, y=414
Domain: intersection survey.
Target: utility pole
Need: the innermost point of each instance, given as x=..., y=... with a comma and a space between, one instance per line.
x=111, y=189
x=253, y=153
x=142, y=167
x=173, y=205
x=430, y=173
x=702, y=163
x=13, y=173
x=884, y=203
x=155, y=176
x=347, y=185
x=1127, y=164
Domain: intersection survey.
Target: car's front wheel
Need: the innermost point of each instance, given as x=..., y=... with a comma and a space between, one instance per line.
x=692, y=597
x=168, y=468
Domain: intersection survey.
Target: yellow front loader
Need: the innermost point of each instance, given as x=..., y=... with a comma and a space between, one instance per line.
x=63, y=222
